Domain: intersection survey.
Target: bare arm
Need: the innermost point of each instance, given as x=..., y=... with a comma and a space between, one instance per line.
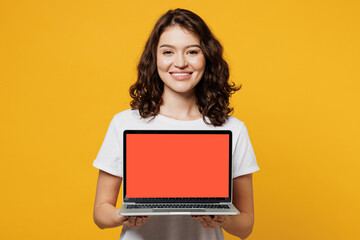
x=241, y=225
x=106, y=215
x=107, y=190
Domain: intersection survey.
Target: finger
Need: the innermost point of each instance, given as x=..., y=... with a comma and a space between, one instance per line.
x=126, y=222
x=124, y=218
x=132, y=221
x=219, y=218
x=202, y=221
x=138, y=221
x=141, y=220
x=145, y=219
x=209, y=221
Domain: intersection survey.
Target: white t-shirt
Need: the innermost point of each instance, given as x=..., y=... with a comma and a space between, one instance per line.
x=110, y=157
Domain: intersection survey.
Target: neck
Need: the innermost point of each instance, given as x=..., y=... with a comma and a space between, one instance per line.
x=180, y=106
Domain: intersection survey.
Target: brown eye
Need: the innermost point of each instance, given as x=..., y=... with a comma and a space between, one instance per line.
x=193, y=52
x=167, y=52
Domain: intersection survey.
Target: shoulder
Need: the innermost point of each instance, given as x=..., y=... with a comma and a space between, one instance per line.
x=234, y=123
x=236, y=126
x=129, y=119
x=127, y=115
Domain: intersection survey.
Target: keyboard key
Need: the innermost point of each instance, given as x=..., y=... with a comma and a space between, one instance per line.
x=177, y=206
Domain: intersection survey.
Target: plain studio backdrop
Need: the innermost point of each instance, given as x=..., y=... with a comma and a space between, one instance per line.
x=65, y=70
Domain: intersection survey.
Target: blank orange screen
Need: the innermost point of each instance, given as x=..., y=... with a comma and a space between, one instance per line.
x=177, y=165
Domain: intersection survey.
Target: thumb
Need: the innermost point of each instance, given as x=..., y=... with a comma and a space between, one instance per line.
x=122, y=218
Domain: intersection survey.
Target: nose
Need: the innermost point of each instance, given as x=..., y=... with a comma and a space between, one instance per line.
x=180, y=61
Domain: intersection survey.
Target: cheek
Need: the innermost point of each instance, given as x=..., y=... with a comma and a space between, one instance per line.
x=198, y=63
x=163, y=63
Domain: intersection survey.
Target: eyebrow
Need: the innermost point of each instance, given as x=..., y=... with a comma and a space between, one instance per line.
x=171, y=46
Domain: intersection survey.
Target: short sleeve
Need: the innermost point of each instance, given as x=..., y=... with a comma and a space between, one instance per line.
x=109, y=158
x=244, y=160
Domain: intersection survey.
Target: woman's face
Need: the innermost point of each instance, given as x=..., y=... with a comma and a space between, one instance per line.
x=180, y=61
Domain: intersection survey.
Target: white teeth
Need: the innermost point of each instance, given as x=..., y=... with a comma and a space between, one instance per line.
x=180, y=74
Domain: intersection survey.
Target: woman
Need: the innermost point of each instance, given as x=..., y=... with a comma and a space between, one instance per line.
x=182, y=84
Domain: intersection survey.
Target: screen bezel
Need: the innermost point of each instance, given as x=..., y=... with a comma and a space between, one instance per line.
x=177, y=200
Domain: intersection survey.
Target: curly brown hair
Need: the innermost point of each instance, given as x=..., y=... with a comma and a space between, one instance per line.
x=212, y=92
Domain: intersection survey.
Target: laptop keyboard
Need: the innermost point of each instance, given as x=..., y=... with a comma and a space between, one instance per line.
x=177, y=206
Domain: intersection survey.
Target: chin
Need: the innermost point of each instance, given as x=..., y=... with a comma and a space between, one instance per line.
x=180, y=90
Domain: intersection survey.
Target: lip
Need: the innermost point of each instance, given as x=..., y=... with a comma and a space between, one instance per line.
x=182, y=75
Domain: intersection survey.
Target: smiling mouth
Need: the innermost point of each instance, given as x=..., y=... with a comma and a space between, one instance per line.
x=181, y=74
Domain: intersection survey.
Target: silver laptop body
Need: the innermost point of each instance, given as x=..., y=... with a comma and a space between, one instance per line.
x=142, y=200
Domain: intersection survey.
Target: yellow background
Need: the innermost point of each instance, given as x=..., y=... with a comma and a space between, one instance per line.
x=65, y=70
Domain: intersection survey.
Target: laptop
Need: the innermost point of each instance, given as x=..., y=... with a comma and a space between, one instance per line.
x=177, y=172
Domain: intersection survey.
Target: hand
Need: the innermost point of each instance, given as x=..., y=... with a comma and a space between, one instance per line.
x=211, y=221
x=134, y=222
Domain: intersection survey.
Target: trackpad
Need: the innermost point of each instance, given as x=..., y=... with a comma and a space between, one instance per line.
x=178, y=210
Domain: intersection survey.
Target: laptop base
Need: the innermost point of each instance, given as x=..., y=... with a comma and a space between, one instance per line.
x=124, y=211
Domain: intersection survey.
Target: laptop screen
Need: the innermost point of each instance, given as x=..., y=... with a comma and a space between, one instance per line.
x=177, y=164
